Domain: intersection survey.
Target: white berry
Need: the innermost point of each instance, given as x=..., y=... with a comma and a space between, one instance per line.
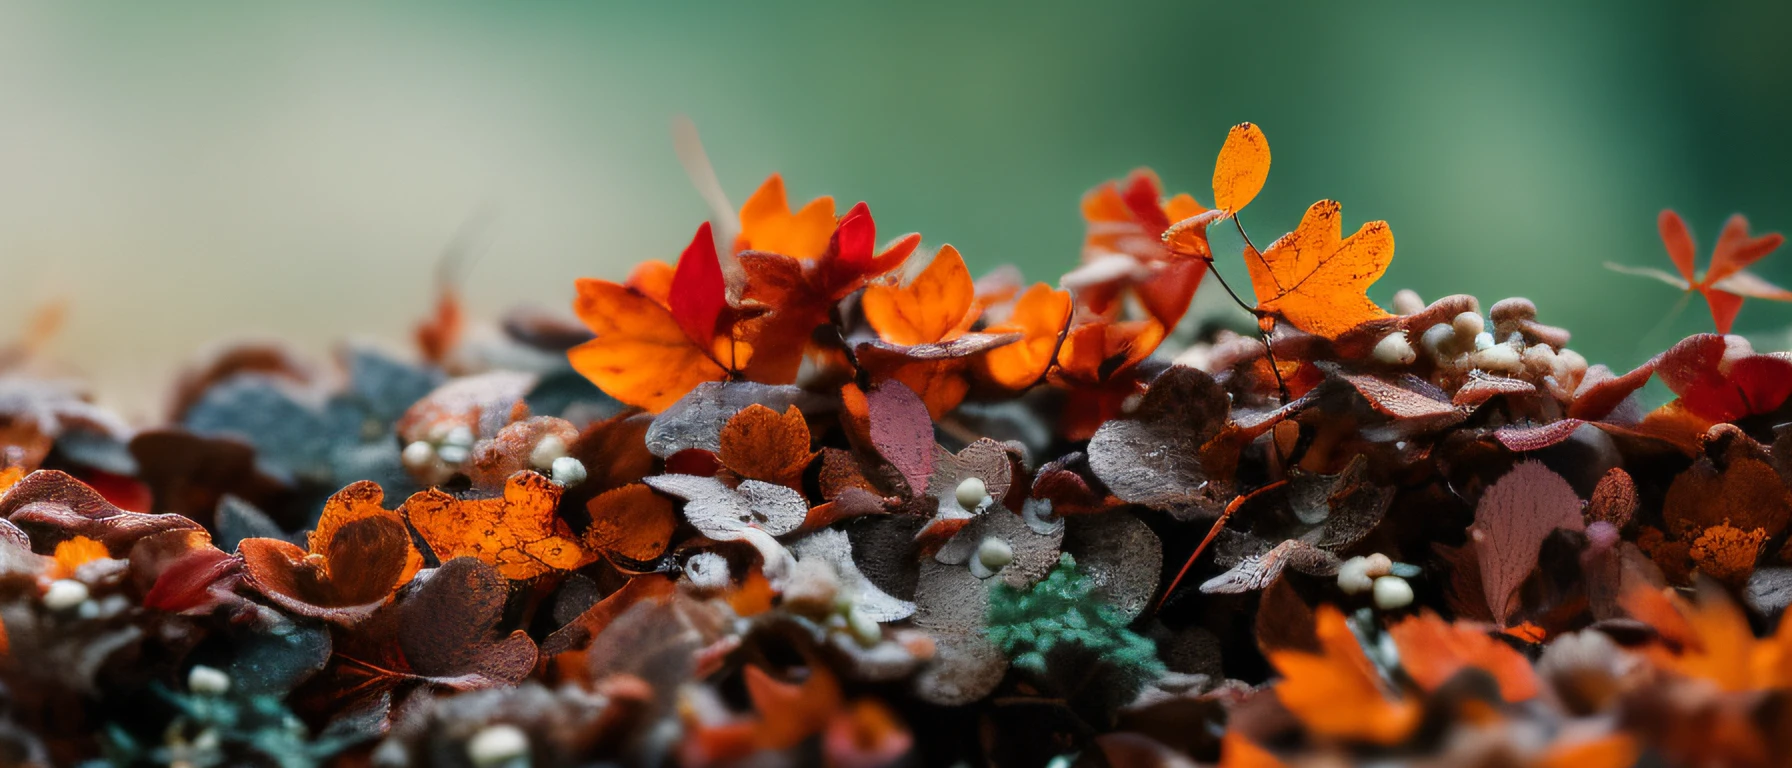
x=497, y=745
x=972, y=493
x=208, y=681
x=1392, y=593
x=64, y=594
x=1394, y=349
x=568, y=471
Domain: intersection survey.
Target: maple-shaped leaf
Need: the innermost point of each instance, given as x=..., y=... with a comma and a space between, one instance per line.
x=647, y=354
x=801, y=295
x=1726, y=281
x=1316, y=279
x=760, y=444
x=518, y=533
x=767, y=223
x=357, y=557
x=1433, y=650
x=935, y=306
x=1337, y=692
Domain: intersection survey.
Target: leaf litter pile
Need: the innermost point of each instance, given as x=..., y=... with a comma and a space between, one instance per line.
x=812, y=495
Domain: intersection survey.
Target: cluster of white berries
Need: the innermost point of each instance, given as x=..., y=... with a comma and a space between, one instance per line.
x=447, y=449
x=435, y=458
x=1515, y=346
x=1379, y=575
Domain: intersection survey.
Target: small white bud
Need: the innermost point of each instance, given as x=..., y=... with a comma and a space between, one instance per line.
x=461, y=435
x=1394, y=349
x=864, y=629
x=568, y=471
x=1377, y=565
x=1407, y=302
x=454, y=453
x=1392, y=593
x=1483, y=340
x=208, y=681
x=547, y=452
x=1353, y=578
x=497, y=745
x=1437, y=341
x=1499, y=357
x=418, y=455
x=972, y=493
x=64, y=594
x=1468, y=325
x=994, y=553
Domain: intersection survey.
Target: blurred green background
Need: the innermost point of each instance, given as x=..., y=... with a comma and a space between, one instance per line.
x=184, y=171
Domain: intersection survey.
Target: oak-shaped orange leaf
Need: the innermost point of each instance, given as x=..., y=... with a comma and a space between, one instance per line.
x=519, y=532
x=1316, y=279
x=632, y=522
x=1242, y=167
x=1337, y=692
x=935, y=306
x=760, y=444
x=1433, y=650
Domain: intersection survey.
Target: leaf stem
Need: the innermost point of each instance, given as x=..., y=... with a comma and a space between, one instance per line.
x=1213, y=533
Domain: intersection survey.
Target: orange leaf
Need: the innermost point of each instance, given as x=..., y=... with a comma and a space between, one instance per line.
x=1098, y=351
x=1242, y=168
x=790, y=713
x=74, y=553
x=1433, y=651
x=935, y=307
x=759, y=444
x=1337, y=692
x=766, y=223
x=518, y=533
x=357, y=502
x=1318, y=281
x=359, y=555
x=1039, y=316
x=641, y=355
x=1238, y=751
x=631, y=521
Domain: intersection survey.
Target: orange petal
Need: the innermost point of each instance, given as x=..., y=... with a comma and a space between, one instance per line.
x=935, y=307
x=1433, y=650
x=766, y=223
x=1337, y=692
x=1039, y=317
x=1242, y=167
x=640, y=356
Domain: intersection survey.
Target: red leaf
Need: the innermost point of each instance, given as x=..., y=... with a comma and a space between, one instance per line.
x=699, y=292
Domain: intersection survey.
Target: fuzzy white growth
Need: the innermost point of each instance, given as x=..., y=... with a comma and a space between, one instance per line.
x=1392, y=593
x=207, y=681
x=65, y=594
x=567, y=470
x=1394, y=349
x=863, y=628
x=972, y=493
x=418, y=455
x=548, y=452
x=707, y=572
x=1353, y=576
x=497, y=745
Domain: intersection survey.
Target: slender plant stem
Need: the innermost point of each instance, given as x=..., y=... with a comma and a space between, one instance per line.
x=1213, y=533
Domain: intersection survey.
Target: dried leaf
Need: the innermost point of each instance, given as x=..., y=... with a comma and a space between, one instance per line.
x=1433, y=650
x=1337, y=692
x=631, y=522
x=1317, y=281
x=1242, y=168
x=1513, y=518
x=519, y=533
x=1153, y=456
x=759, y=444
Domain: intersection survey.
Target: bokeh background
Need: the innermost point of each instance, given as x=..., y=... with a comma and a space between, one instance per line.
x=182, y=172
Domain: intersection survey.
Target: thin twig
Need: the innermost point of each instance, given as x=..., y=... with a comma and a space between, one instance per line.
x=1213, y=533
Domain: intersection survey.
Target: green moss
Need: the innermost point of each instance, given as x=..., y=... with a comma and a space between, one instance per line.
x=1060, y=622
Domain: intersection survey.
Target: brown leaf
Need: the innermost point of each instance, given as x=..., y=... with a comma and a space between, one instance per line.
x=1152, y=456
x=632, y=522
x=760, y=444
x=519, y=532
x=1513, y=518
x=53, y=507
